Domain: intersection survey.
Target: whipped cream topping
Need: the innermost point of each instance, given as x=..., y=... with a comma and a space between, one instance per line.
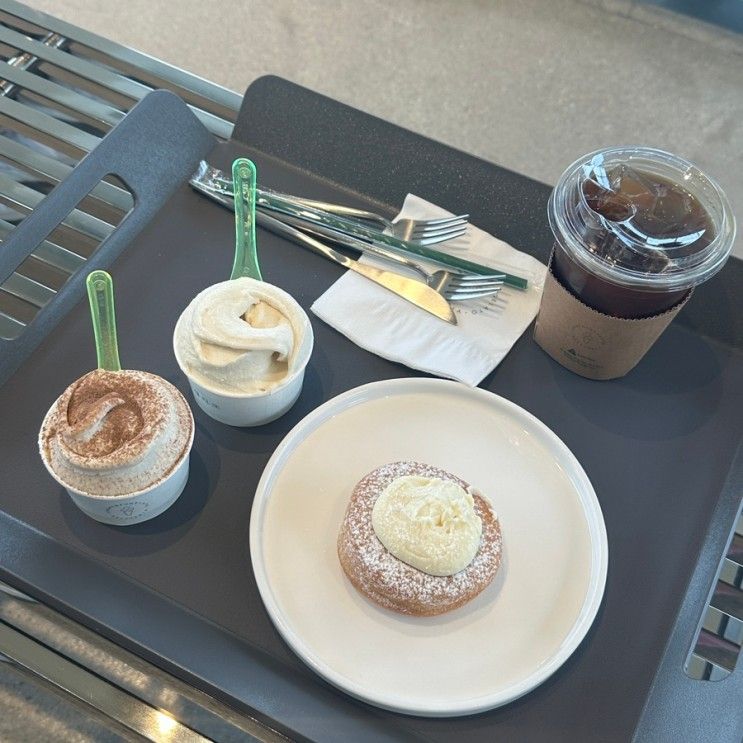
x=241, y=336
x=114, y=433
x=428, y=523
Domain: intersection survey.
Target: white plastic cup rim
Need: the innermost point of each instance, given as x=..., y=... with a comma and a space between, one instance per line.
x=132, y=508
x=249, y=408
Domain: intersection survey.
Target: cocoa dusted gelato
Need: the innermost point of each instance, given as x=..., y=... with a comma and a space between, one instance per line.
x=116, y=433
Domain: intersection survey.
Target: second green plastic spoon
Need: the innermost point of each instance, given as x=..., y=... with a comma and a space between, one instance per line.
x=101, y=298
x=246, y=256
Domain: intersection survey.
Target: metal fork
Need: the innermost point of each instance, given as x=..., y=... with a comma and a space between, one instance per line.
x=457, y=287
x=453, y=286
x=421, y=231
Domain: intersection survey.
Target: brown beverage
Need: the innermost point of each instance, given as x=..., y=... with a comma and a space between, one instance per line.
x=635, y=229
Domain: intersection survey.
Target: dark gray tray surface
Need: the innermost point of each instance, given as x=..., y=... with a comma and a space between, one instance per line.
x=657, y=446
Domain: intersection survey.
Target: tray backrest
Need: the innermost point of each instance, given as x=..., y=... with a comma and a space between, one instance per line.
x=152, y=157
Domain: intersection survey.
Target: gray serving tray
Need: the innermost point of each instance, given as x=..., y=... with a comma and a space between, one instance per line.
x=659, y=445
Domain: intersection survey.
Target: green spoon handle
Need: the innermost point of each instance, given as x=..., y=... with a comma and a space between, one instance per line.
x=246, y=256
x=101, y=298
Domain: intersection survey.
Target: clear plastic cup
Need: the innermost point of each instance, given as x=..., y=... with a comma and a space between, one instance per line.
x=636, y=228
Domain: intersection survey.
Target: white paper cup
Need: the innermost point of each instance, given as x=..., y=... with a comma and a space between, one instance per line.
x=132, y=508
x=255, y=408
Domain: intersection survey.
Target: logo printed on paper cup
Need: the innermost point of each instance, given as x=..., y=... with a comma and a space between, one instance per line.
x=203, y=398
x=128, y=510
x=578, y=358
x=587, y=338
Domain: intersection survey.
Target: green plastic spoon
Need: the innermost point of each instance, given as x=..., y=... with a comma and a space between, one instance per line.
x=101, y=298
x=246, y=256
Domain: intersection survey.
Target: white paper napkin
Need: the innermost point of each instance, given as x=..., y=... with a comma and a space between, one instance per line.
x=388, y=326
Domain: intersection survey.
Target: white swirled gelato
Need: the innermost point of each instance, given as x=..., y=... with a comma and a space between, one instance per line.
x=242, y=337
x=428, y=523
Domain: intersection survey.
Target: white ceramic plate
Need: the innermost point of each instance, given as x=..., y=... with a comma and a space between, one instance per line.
x=496, y=648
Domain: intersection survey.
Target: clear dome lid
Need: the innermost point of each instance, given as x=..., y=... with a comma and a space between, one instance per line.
x=641, y=217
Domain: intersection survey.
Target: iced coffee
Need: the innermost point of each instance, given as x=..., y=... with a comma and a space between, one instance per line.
x=635, y=230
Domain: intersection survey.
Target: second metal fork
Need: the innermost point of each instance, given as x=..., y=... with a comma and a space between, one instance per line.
x=455, y=287
x=420, y=231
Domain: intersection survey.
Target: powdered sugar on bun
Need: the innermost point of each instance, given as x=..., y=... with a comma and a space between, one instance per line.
x=395, y=585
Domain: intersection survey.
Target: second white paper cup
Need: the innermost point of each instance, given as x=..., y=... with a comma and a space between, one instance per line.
x=250, y=409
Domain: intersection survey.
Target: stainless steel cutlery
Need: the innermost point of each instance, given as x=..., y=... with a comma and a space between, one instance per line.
x=213, y=182
x=451, y=285
x=415, y=292
x=420, y=231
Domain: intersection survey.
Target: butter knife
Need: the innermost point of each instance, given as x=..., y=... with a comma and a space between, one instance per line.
x=413, y=291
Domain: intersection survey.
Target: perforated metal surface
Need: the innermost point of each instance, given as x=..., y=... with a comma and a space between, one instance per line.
x=61, y=90
x=719, y=640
